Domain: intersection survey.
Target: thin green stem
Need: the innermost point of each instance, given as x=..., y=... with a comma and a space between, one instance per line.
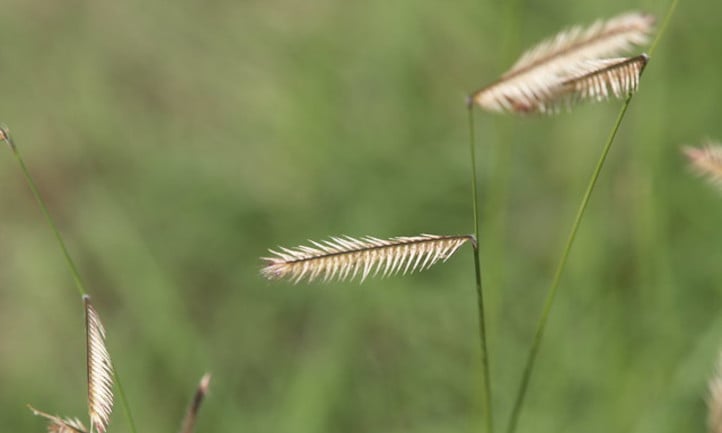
x=5, y=136
x=479, y=292
x=663, y=27
x=474, y=192
x=482, y=341
x=551, y=294
x=510, y=38
x=36, y=193
x=124, y=401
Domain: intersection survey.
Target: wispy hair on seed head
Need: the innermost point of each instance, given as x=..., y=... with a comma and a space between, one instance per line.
x=533, y=84
x=706, y=161
x=60, y=425
x=343, y=258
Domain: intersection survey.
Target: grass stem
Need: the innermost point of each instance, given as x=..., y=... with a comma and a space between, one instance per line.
x=551, y=294
x=479, y=292
x=124, y=401
x=44, y=209
x=663, y=26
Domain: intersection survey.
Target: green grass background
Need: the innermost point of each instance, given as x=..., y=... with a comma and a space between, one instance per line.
x=176, y=141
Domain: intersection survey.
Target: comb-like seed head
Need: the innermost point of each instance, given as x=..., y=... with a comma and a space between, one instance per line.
x=342, y=258
x=532, y=84
x=100, y=370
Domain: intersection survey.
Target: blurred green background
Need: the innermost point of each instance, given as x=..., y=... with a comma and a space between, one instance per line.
x=176, y=141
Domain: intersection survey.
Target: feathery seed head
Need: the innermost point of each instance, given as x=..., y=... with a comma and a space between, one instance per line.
x=100, y=370
x=534, y=83
x=345, y=257
x=706, y=161
x=608, y=78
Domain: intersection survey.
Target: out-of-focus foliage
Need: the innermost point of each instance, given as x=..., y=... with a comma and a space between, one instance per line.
x=177, y=141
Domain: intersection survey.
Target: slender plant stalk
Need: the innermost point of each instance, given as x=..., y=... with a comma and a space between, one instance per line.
x=496, y=201
x=36, y=193
x=477, y=268
x=5, y=136
x=663, y=27
x=510, y=38
x=551, y=294
x=124, y=401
